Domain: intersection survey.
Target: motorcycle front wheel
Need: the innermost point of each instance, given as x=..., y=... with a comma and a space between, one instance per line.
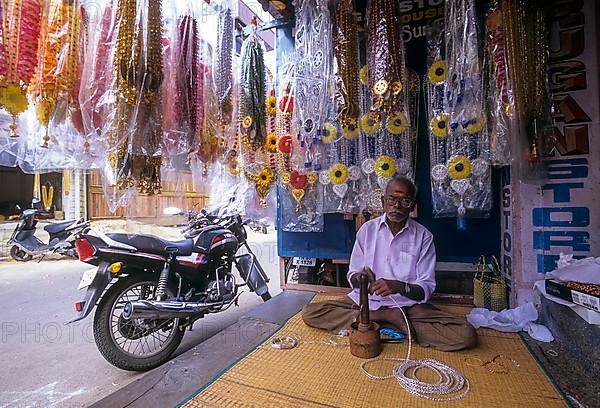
x=19, y=255
x=135, y=344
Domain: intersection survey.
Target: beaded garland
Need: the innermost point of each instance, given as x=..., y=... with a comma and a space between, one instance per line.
x=188, y=79
x=58, y=62
x=137, y=159
x=20, y=35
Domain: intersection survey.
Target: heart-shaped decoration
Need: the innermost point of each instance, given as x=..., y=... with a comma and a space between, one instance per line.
x=297, y=180
x=298, y=194
x=285, y=144
x=460, y=186
x=340, y=189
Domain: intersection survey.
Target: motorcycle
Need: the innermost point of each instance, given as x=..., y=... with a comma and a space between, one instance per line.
x=25, y=245
x=148, y=290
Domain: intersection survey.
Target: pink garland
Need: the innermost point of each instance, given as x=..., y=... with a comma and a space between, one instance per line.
x=3, y=62
x=101, y=81
x=29, y=34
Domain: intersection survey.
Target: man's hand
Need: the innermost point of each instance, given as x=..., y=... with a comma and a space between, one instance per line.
x=355, y=280
x=385, y=287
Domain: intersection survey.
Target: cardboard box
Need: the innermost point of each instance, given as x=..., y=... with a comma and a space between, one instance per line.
x=558, y=289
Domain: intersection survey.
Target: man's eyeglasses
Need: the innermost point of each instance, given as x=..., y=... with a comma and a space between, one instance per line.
x=405, y=202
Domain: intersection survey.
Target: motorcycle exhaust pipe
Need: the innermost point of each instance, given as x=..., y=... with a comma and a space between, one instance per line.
x=153, y=309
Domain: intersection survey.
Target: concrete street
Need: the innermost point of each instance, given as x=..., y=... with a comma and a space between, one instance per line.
x=47, y=364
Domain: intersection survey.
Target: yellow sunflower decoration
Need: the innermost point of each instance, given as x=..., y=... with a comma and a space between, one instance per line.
x=271, y=105
x=397, y=123
x=385, y=166
x=265, y=178
x=475, y=125
x=272, y=142
x=329, y=134
x=370, y=123
x=13, y=99
x=459, y=167
x=338, y=173
x=350, y=128
x=439, y=125
x=247, y=122
x=437, y=72
x=364, y=75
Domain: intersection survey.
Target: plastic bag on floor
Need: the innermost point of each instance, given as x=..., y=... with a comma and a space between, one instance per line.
x=511, y=320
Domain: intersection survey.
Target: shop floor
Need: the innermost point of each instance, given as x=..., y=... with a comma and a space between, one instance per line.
x=321, y=372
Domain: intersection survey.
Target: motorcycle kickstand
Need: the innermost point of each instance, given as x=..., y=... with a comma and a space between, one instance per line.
x=41, y=258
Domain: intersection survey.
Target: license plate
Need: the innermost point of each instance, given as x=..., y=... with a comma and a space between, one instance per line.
x=87, y=278
x=302, y=261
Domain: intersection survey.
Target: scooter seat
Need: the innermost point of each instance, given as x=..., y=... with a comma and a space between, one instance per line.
x=58, y=226
x=154, y=245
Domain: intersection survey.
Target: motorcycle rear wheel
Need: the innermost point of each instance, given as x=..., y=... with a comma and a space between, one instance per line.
x=19, y=255
x=115, y=336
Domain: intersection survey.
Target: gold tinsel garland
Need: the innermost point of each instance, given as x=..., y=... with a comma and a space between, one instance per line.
x=136, y=159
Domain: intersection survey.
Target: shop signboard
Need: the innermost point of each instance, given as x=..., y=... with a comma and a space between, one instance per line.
x=560, y=214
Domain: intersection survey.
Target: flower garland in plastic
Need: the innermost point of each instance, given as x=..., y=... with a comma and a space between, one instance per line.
x=313, y=69
x=20, y=35
x=342, y=175
x=459, y=142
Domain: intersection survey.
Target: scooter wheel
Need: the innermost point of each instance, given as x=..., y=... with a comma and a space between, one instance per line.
x=19, y=255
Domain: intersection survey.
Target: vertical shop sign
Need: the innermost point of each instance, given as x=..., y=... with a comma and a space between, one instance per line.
x=417, y=16
x=560, y=214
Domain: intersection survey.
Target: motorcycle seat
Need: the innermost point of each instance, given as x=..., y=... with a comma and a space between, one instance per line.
x=154, y=245
x=58, y=226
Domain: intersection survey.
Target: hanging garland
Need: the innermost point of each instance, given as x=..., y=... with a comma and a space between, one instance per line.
x=138, y=70
x=459, y=141
x=313, y=68
x=58, y=62
x=20, y=35
x=252, y=99
x=222, y=72
x=187, y=78
x=525, y=25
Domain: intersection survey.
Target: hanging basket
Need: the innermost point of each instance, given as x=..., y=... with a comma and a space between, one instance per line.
x=489, y=286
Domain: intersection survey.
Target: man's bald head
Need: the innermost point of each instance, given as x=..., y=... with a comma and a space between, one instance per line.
x=398, y=179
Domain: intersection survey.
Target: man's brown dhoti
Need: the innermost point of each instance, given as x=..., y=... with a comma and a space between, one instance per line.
x=432, y=327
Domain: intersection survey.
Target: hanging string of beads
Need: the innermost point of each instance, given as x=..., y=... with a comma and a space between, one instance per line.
x=21, y=21
x=187, y=78
x=138, y=68
x=527, y=39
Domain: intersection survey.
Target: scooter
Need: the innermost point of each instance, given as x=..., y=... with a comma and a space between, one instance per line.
x=62, y=237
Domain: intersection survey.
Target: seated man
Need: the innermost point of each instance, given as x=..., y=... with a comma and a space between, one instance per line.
x=397, y=255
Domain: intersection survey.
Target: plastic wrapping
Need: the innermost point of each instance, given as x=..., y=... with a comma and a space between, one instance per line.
x=340, y=178
x=459, y=142
x=501, y=98
x=312, y=78
x=20, y=36
x=134, y=123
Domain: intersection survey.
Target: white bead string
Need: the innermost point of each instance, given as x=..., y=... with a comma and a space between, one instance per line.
x=450, y=380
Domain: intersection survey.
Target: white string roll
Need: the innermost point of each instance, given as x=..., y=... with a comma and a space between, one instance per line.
x=450, y=380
